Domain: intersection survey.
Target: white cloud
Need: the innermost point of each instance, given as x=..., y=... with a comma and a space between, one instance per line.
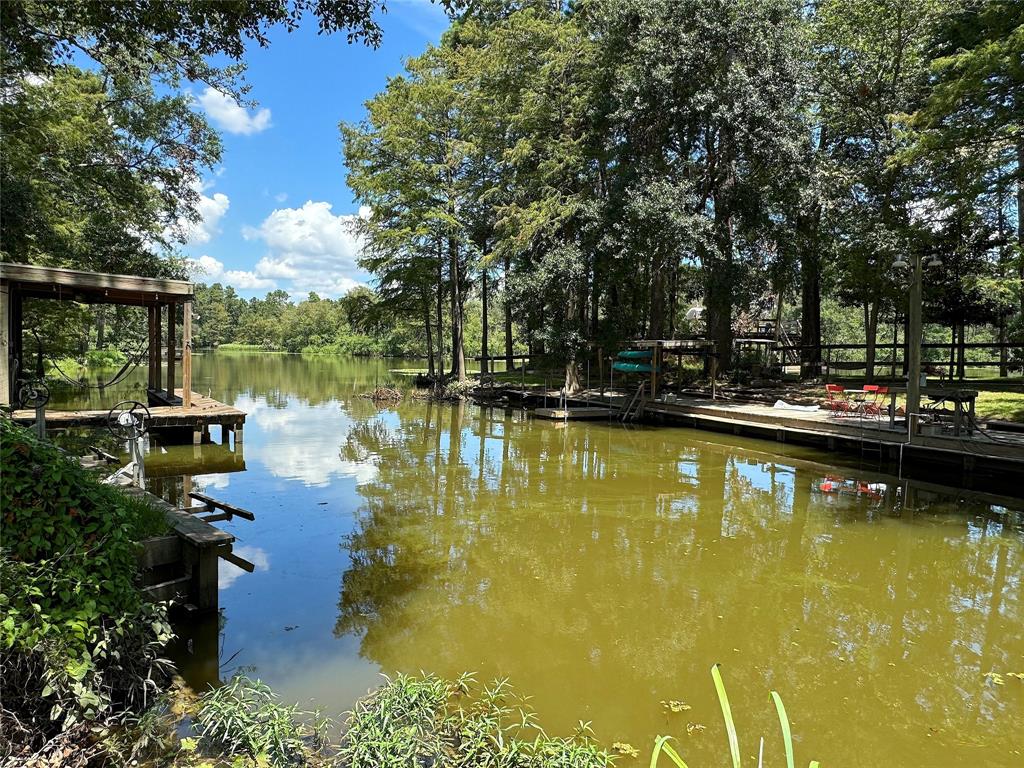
x=228, y=573
x=311, y=248
x=211, y=210
x=302, y=443
x=230, y=116
x=211, y=270
x=281, y=197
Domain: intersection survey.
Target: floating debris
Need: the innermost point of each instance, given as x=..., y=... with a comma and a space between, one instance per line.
x=384, y=394
x=692, y=728
x=675, y=706
x=625, y=749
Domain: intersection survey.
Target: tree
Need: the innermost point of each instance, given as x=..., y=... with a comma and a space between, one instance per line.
x=97, y=173
x=970, y=121
x=708, y=97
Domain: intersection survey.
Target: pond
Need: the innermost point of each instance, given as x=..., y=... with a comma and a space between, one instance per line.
x=603, y=570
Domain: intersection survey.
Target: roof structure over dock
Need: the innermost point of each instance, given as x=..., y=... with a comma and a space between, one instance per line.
x=160, y=296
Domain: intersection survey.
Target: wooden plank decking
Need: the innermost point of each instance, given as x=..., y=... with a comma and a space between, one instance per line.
x=202, y=414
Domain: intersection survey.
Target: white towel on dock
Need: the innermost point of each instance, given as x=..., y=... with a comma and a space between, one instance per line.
x=790, y=407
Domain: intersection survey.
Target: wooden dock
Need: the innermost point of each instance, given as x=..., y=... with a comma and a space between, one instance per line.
x=574, y=413
x=203, y=413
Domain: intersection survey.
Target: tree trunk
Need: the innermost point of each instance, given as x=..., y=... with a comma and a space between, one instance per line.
x=673, y=297
x=509, y=362
x=952, y=351
x=871, y=335
x=810, y=296
x=430, y=340
x=720, y=270
x=961, y=368
x=1003, y=356
x=483, y=321
x=458, y=348
x=656, y=329
x=440, y=313
x=101, y=327
x=1020, y=214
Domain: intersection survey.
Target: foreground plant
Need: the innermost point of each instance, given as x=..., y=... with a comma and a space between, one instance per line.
x=245, y=718
x=662, y=746
x=79, y=649
x=426, y=720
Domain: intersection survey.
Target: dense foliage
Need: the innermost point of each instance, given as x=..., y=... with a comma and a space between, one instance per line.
x=614, y=163
x=430, y=721
x=76, y=641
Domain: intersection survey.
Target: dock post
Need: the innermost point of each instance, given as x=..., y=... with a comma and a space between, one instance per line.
x=171, y=345
x=238, y=433
x=186, y=355
x=197, y=434
x=154, y=346
x=204, y=578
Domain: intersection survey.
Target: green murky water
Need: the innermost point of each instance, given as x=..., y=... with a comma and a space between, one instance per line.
x=604, y=570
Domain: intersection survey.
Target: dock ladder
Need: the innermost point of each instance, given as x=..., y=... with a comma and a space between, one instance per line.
x=632, y=410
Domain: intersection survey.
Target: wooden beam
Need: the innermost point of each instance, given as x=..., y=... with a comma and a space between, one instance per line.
x=186, y=355
x=171, y=347
x=70, y=280
x=216, y=504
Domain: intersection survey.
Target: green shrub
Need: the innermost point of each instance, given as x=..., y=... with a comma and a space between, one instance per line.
x=105, y=358
x=244, y=717
x=76, y=640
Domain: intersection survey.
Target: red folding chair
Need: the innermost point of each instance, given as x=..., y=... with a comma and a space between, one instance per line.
x=836, y=402
x=874, y=407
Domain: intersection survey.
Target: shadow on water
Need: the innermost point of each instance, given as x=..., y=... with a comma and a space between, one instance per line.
x=605, y=569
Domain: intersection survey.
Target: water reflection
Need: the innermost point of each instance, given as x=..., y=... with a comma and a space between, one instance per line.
x=604, y=570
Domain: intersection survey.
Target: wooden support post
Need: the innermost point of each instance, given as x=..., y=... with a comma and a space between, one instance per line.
x=654, y=370
x=204, y=579
x=197, y=434
x=186, y=355
x=171, y=346
x=154, y=351
x=16, y=364
x=238, y=433
x=157, y=365
x=6, y=394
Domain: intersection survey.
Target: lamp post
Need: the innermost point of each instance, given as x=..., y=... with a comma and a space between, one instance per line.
x=915, y=332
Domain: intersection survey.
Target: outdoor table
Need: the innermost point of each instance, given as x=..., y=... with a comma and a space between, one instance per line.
x=962, y=399
x=859, y=396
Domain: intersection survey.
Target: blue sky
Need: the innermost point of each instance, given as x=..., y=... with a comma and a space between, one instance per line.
x=275, y=212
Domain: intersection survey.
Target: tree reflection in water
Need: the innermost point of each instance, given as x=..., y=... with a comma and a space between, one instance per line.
x=605, y=569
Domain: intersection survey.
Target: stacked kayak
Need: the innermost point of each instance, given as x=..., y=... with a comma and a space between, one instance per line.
x=633, y=361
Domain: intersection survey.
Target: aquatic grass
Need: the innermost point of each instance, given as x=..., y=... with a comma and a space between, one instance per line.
x=244, y=717
x=662, y=747
x=787, y=733
x=426, y=720
x=730, y=725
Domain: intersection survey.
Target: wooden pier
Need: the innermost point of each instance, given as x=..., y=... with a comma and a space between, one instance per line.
x=197, y=418
x=574, y=413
